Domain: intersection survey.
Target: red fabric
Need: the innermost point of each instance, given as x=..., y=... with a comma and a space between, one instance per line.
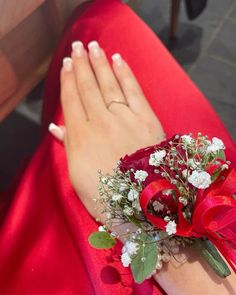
x=43, y=239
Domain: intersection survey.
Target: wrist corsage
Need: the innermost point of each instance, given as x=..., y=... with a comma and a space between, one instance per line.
x=179, y=193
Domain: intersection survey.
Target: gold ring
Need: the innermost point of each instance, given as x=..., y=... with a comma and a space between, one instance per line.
x=116, y=101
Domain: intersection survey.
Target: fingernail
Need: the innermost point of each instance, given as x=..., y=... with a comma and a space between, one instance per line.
x=67, y=64
x=78, y=48
x=56, y=131
x=94, y=48
x=117, y=59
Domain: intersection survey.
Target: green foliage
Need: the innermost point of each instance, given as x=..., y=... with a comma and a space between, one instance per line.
x=142, y=269
x=220, y=155
x=101, y=240
x=215, y=175
x=213, y=258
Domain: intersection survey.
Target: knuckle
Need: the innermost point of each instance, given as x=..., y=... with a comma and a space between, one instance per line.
x=133, y=91
x=127, y=79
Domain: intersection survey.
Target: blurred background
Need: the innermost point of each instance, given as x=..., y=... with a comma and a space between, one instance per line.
x=204, y=44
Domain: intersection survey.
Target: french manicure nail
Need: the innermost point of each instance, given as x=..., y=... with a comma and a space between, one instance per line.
x=117, y=59
x=56, y=131
x=67, y=64
x=78, y=48
x=94, y=48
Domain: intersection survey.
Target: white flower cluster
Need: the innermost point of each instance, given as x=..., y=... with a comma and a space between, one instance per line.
x=171, y=227
x=117, y=191
x=193, y=163
x=140, y=175
x=157, y=206
x=129, y=249
x=200, y=179
x=117, y=197
x=156, y=158
x=182, y=164
x=216, y=145
x=128, y=211
x=122, y=187
x=187, y=139
x=101, y=228
x=133, y=195
x=213, y=147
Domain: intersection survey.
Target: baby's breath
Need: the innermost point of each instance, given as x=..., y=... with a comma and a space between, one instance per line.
x=183, y=162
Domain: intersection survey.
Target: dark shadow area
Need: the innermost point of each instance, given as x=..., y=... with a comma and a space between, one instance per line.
x=35, y=95
x=110, y=275
x=19, y=140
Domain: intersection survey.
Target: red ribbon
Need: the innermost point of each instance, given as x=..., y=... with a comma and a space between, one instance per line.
x=214, y=215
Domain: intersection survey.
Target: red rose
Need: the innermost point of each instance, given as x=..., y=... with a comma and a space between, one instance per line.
x=140, y=161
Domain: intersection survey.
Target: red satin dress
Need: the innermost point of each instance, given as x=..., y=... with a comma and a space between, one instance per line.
x=43, y=237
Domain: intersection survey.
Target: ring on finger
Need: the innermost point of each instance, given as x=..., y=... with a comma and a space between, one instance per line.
x=116, y=101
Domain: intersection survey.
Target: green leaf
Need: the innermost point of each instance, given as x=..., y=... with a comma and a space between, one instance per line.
x=220, y=155
x=101, y=240
x=234, y=197
x=215, y=175
x=212, y=256
x=142, y=269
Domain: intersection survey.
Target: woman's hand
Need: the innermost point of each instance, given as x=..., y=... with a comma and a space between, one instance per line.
x=106, y=116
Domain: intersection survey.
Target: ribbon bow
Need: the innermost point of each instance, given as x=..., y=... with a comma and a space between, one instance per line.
x=214, y=214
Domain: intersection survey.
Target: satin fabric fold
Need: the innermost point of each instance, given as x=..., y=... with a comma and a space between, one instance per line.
x=43, y=238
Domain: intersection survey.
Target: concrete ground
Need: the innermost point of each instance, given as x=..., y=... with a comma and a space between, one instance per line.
x=205, y=48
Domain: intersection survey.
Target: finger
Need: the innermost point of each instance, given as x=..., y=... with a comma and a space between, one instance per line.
x=86, y=82
x=57, y=131
x=107, y=81
x=73, y=110
x=129, y=85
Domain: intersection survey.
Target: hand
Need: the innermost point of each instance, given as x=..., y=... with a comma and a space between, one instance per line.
x=106, y=116
x=98, y=131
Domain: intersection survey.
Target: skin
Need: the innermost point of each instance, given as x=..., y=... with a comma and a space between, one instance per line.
x=97, y=133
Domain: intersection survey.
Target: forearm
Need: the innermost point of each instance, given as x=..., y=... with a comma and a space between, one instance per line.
x=188, y=273
x=193, y=276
